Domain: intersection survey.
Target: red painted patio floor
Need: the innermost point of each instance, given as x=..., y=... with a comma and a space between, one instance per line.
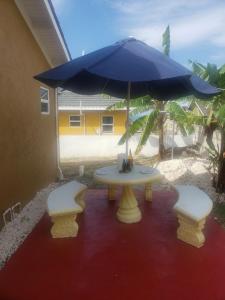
x=112, y=261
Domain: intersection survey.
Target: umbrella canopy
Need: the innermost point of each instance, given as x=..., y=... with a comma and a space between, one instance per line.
x=109, y=70
x=127, y=69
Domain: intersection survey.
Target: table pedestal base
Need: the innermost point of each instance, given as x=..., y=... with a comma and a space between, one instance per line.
x=128, y=211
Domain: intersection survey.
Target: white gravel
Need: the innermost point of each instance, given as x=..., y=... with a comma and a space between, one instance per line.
x=177, y=171
x=14, y=233
x=191, y=170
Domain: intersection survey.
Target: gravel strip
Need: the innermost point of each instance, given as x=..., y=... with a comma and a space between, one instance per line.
x=191, y=171
x=14, y=233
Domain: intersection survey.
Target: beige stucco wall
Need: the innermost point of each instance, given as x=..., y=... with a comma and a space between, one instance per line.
x=27, y=138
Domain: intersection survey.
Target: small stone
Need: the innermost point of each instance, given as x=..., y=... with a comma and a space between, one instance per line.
x=14, y=233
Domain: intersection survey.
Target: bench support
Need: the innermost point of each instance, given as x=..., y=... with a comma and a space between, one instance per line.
x=64, y=225
x=80, y=199
x=111, y=192
x=190, y=231
x=148, y=192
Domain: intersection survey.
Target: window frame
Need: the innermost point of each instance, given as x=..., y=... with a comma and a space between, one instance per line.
x=104, y=124
x=74, y=115
x=45, y=101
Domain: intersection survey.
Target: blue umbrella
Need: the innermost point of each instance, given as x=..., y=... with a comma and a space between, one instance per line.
x=128, y=69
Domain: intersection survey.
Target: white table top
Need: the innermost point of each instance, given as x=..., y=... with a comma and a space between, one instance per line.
x=139, y=174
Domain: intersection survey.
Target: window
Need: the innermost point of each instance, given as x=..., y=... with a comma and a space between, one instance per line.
x=74, y=121
x=107, y=124
x=44, y=95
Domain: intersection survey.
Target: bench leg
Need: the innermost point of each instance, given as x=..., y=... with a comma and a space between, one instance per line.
x=111, y=192
x=190, y=231
x=80, y=199
x=148, y=192
x=64, y=226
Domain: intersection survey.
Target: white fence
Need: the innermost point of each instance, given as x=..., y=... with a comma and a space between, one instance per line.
x=89, y=146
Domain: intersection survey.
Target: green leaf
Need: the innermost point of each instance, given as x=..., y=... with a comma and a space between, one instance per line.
x=183, y=119
x=141, y=109
x=222, y=69
x=139, y=102
x=118, y=105
x=166, y=41
x=150, y=126
x=199, y=69
x=176, y=110
x=210, y=116
x=220, y=115
x=133, y=128
x=136, y=102
x=213, y=73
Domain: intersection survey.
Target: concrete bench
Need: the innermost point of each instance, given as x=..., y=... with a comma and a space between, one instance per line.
x=64, y=203
x=192, y=208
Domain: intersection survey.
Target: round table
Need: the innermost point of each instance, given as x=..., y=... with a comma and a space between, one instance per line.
x=128, y=211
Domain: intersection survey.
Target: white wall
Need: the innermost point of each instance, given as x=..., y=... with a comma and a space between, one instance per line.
x=72, y=147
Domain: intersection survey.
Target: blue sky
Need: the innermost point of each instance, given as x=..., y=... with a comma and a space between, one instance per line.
x=197, y=26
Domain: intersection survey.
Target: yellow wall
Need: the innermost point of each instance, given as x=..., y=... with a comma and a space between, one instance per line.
x=91, y=122
x=64, y=125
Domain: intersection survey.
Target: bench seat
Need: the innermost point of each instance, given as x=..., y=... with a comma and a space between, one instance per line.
x=192, y=208
x=63, y=204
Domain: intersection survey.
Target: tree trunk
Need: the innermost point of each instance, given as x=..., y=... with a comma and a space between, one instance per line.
x=161, y=107
x=220, y=187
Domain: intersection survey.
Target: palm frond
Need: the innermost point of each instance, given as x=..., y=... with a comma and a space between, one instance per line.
x=198, y=69
x=136, y=102
x=181, y=117
x=213, y=73
x=166, y=41
x=133, y=128
x=141, y=109
x=117, y=105
x=220, y=114
x=222, y=69
x=150, y=126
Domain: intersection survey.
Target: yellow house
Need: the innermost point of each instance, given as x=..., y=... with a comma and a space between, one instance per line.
x=88, y=115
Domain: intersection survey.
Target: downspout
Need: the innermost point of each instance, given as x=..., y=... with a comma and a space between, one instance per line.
x=173, y=132
x=59, y=170
x=100, y=124
x=82, y=118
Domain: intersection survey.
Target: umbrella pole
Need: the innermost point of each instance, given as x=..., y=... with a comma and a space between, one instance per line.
x=127, y=122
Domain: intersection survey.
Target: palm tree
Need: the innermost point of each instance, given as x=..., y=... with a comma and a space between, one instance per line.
x=214, y=121
x=156, y=113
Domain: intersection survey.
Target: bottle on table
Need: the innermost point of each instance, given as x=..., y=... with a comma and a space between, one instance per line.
x=124, y=166
x=130, y=161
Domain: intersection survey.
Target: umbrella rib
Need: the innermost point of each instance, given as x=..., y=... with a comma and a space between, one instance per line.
x=107, y=81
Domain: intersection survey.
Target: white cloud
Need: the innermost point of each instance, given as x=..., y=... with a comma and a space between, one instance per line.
x=219, y=40
x=201, y=27
x=153, y=6
x=218, y=57
x=192, y=22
